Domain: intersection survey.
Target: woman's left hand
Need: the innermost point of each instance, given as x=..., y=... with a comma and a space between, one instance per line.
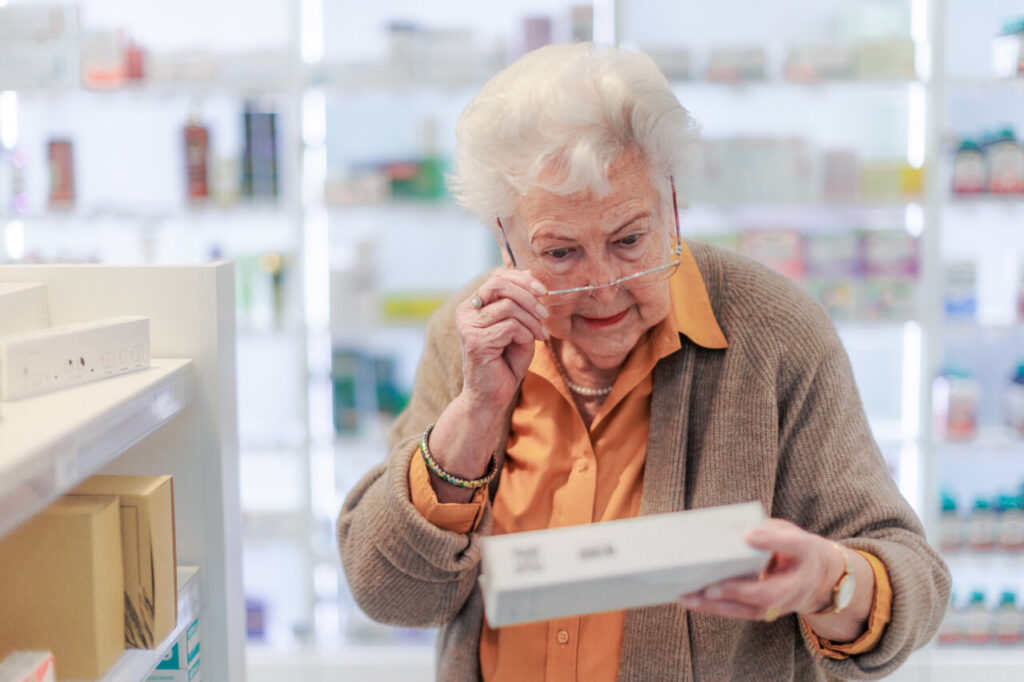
x=799, y=577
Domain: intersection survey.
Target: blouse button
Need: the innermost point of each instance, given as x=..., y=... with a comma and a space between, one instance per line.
x=563, y=637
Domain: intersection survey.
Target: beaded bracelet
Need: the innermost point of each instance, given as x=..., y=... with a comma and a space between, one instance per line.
x=449, y=478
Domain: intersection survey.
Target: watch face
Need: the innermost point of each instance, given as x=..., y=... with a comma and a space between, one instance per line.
x=845, y=594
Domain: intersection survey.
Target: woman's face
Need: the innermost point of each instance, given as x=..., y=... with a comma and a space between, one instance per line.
x=580, y=239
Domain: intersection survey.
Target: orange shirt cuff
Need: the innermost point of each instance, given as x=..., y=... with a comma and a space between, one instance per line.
x=878, y=618
x=457, y=517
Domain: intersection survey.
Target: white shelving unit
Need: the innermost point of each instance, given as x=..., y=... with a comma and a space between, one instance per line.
x=179, y=417
x=49, y=440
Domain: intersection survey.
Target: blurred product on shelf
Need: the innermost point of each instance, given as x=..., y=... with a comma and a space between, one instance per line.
x=974, y=623
x=675, y=62
x=968, y=168
x=182, y=661
x=977, y=620
x=1008, y=50
x=955, y=404
x=981, y=527
x=148, y=552
x=995, y=166
x=774, y=170
x=259, y=160
x=255, y=619
x=1020, y=292
x=1014, y=400
x=197, y=146
x=28, y=666
x=889, y=58
x=1007, y=621
x=104, y=59
x=1005, y=158
x=261, y=290
x=364, y=384
x=781, y=250
x=960, y=297
x=737, y=64
x=536, y=32
x=993, y=526
x=63, y=586
x=39, y=46
x=18, y=199
x=813, y=63
x=581, y=19
x=951, y=529
x=62, y=174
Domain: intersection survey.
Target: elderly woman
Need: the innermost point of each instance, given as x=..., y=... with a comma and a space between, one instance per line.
x=609, y=370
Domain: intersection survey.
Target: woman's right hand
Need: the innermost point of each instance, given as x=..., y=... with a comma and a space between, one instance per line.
x=497, y=347
x=498, y=338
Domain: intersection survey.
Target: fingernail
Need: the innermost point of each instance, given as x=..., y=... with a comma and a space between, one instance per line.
x=547, y=334
x=542, y=311
x=713, y=593
x=538, y=287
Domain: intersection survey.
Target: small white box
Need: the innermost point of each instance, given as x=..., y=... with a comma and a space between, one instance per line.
x=539, y=575
x=28, y=666
x=23, y=307
x=60, y=357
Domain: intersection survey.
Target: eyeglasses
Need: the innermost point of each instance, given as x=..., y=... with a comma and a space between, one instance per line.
x=637, y=280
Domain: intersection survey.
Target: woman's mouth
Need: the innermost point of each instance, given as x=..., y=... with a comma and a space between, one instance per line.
x=604, y=321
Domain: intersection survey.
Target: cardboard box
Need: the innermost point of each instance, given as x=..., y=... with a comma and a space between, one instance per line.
x=23, y=307
x=28, y=666
x=62, y=586
x=539, y=575
x=181, y=663
x=150, y=561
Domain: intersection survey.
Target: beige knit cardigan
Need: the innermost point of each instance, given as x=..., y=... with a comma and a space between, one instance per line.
x=775, y=417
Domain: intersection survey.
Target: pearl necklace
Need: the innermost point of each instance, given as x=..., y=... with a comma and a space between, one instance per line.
x=585, y=391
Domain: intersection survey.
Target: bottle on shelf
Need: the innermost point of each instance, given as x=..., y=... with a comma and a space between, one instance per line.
x=1005, y=160
x=977, y=620
x=1014, y=400
x=969, y=168
x=1007, y=623
x=951, y=631
x=1011, y=524
x=197, y=144
x=62, y=173
x=955, y=396
x=950, y=526
x=981, y=527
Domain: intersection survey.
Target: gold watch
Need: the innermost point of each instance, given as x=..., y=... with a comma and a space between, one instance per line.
x=842, y=593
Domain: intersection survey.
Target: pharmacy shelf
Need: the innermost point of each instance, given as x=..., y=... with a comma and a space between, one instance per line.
x=137, y=664
x=52, y=441
x=381, y=663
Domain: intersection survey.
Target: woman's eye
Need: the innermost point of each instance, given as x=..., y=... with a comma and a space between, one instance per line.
x=559, y=253
x=629, y=240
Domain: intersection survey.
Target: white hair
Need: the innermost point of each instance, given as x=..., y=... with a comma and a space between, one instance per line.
x=558, y=117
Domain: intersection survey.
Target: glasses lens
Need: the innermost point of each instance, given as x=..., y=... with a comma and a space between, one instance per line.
x=649, y=277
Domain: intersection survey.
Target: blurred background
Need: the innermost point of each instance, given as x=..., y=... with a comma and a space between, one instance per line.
x=869, y=149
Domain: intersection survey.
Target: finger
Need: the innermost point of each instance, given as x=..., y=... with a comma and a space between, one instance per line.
x=517, y=285
x=504, y=309
x=761, y=594
x=777, y=535
x=493, y=341
x=723, y=608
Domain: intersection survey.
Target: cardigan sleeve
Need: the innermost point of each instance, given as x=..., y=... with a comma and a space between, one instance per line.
x=402, y=569
x=832, y=480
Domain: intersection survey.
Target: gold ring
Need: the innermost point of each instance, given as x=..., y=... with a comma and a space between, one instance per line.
x=476, y=302
x=771, y=614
